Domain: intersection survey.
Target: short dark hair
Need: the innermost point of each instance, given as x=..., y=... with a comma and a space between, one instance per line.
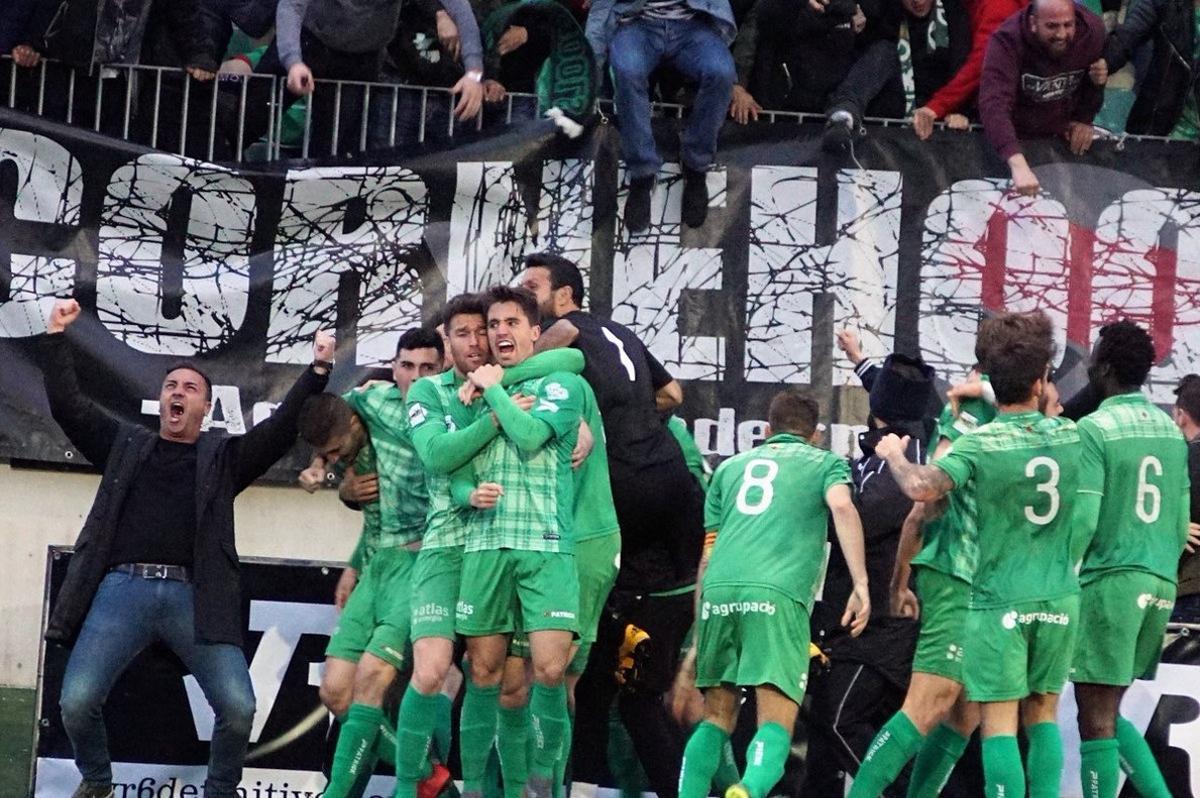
x=522, y=296
x=1016, y=349
x=421, y=338
x=1187, y=396
x=562, y=272
x=322, y=417
x=795, y=411
x=1127, y=350
x=462, y=304
x=191, y=366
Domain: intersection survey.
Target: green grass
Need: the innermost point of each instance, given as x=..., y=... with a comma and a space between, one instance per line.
x=16, y=740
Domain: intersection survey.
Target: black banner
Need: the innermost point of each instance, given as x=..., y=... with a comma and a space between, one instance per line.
x=909, y=242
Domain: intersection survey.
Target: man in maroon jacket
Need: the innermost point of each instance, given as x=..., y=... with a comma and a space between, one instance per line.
x=1036, y=82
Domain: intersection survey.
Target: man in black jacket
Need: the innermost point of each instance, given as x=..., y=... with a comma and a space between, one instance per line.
x=869, y=674
x=1168, y=101
x=156, y=561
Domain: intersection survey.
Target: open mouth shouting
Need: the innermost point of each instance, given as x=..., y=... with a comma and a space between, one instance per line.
x=506, y=349
x=176, y=410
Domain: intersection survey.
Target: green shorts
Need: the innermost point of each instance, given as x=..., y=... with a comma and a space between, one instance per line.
x=377, y=617
x=1018, y=650
x=597, y=561
x=500, y=585
x=752, y=636
x=1123, y=616
x=944, y=600
x=437, y=574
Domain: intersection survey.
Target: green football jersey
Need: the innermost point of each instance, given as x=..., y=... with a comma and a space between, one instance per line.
x=972, y=414
x=1135, y=459
x=950, y=542
x=434, y=410
x=595, y=513
x=536, y=512
x=403, y=497
x=768, y=507
x=1022, y=473
x=691, y=452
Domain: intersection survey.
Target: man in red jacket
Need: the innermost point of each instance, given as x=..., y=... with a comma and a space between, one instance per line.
x=952, y=98
x=1036, y=84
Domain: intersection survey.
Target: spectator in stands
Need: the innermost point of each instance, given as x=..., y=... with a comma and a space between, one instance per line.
x=952, y=99
x=1187, y=417
x=836, y=57
x=1168, y=99
x=345, y=40
x=12, y=30
x=935, y=41
x=1036, y=84
x=693, y=36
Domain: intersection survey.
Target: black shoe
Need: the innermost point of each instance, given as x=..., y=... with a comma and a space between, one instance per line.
x=89, y=790
x=839, y=131
x=637, y=205
x=695, y=197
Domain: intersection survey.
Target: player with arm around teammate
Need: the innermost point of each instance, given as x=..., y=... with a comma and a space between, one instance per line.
x=767, y=510
x=1018, y=476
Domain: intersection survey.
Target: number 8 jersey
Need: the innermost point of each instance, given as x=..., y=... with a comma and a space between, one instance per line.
x=1135, y=458
x=768, y=505
x=1018, y=476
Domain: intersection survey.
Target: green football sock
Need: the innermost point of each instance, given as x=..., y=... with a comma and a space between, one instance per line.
x=897, y=742
x=354, y=759
x=493, y=784
x=548, y=719
x=936, y=760
x=765, y=759
x=1044, y=759
x=1099, y=766
x=700, y=758
x=727, y=772
x=1002, y=771
x=512, y=744
x=562, y=768
x=441, y=729
x=385, y=743
x=477, y=732
x=1138, y=762
x=417, y=720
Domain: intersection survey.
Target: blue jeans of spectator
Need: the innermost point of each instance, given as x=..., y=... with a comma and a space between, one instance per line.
x=128, y=614
x=694, y=47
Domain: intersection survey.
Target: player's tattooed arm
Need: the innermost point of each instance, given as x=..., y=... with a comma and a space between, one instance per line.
x=921, y=483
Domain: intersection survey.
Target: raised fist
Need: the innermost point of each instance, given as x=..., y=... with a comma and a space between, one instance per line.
x=63, y=315
x=323, y=344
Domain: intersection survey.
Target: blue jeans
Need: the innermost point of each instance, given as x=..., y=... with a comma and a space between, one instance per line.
x=695, y=49
x=128, y=614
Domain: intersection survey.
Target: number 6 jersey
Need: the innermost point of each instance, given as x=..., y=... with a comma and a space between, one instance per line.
x=1135, y=459
x=1020, y=474
x=768, y=507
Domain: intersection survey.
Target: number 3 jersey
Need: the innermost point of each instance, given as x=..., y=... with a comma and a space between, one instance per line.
x=768, y=507
x=1021, y=474
x=1135, y=459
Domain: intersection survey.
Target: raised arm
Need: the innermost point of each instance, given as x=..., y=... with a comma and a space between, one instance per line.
x=266, y=442
x=921, y=483
x=848, y=527
x=90, y=429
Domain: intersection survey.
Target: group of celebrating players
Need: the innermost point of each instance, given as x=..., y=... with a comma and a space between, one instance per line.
x=518, y=465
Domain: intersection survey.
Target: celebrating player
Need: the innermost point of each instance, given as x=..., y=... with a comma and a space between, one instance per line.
x=1018, y=477
x=1134, y=493
x=447, y=434
x=766, y=509
x=368, y=427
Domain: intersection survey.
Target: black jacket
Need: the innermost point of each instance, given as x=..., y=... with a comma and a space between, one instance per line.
x=85, y=32
x=225, y=466
x=882, y=506
x=1173, y=72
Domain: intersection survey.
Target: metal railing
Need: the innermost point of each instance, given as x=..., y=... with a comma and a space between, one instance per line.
x=254, y=116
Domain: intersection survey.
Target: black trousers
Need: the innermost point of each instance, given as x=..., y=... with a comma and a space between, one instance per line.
x=657, y=738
